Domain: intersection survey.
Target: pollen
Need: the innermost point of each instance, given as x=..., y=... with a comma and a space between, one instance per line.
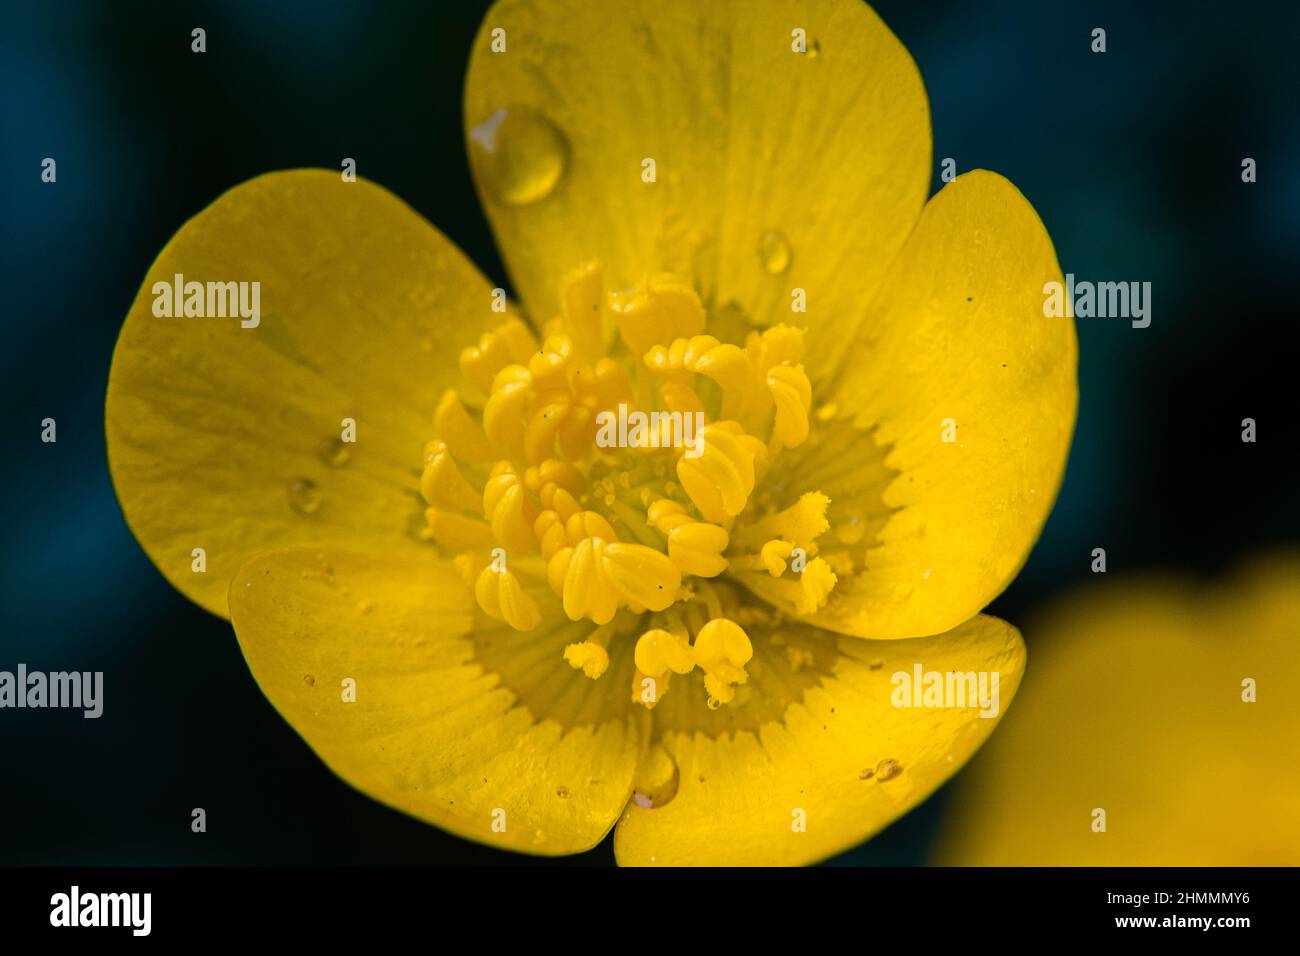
x=591, y=659
x=551, y=513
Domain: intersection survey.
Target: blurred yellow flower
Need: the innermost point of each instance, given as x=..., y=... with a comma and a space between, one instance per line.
x=558, y=620
x=1158, y=727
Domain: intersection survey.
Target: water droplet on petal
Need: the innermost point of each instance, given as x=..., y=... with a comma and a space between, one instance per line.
x=774, y=253
x=304, y=496
x=562, y=793
x=888, y=769
x=309, y=680
x=335, y=452
x=519, y=155
x=656, y=781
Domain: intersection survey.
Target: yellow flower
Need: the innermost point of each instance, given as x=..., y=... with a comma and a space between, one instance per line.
x=1159, y=727
x=500, y=612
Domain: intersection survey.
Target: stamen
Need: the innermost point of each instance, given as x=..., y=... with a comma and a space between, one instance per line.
x=500, y=596
x=726, y=365
x=658, y=655
x=816, y=584
x=600, y=577
x=792, y=393
x=720, y=479
x=504, y=418
x=695, y=546
x=549, y=366
x=591, y=656
x=774, y=555
x=561, y=474
x=442, y=484
x=659, y=651
x=722, y=649
x=808, y=591
x=591, y=659
x=664, y=308
x=776, y=536
x=510, y=343
x=800, y=524
x=458, y=532
x=646, y=529
x=458, y=430
x=584, y=310
x=509, y=510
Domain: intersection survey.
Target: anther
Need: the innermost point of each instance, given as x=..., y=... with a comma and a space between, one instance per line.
x=722, y=648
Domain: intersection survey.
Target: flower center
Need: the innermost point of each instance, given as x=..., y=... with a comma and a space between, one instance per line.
x=613, y=466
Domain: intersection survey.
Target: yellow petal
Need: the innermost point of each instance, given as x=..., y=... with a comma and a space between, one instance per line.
x=794, y=744
x=1134, y=707
x=957, y=347
x=228, y=438
x=457, y=723
x=773, y=169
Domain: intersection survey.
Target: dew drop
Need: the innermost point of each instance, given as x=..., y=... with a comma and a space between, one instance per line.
x=866, y=774
x=657, y=782
x=888, y=769
x=309, y=680
x=304, y=496
x=519, y=155
x=562, y=793
x=335, y=452
x=774, y=253
x=714, y=703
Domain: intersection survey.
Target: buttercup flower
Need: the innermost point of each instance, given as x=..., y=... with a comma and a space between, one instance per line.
x=1159, y=728
x=467, y=561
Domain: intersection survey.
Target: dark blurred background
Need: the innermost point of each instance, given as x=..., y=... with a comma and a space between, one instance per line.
x=1132, y=158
